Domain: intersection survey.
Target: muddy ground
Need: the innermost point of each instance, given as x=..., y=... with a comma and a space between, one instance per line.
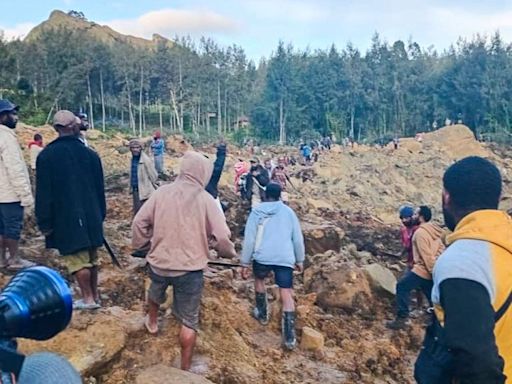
x=347, y=204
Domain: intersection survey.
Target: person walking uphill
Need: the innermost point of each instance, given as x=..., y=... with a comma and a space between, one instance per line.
x=273, y=240
x=470, y=340
x=143, y=176
x=15, y=191
x=158, y=149
x=427, y=246
x=177, y=224
x=70, y=204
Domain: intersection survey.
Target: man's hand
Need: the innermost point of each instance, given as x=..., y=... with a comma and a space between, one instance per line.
x=245, y=273
x=299, y=267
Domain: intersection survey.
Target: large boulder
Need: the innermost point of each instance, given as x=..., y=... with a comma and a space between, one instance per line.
x=322, y=238
x=311, y=340
x=381, y=278
x=161, y=374
x=344, y=288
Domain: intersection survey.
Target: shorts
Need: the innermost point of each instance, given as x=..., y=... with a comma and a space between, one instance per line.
x=86, y=258
x=282, y=275
x=187, y=293
x=11, y=220
x=285, y=197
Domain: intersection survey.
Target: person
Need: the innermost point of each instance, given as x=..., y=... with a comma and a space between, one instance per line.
x=218, y=166
x=35, y=147
x=70, y=205
x=15, y=190
x=84, y=126
x=267, y=166
x=177, y=224
x=143, y=176
x=158, y=149
x=407, y=229
x=273, y=241
x=470, y=338
x=396, y=142
x=427, y=245
x=256, y=182
x=241, y=169
x=306, y=154
x=280, y=176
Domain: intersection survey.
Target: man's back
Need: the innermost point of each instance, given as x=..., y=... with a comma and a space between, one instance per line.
x=70, y=197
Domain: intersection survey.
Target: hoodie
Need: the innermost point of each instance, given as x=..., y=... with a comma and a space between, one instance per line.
x=180, y=221
x=426, y=246
x=273, y=236
x=472, y=282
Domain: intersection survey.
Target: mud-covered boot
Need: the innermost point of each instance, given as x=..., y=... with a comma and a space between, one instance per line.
x=288, y=330
x=260, y=311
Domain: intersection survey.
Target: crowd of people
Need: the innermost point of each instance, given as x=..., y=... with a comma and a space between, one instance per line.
x=466, y=275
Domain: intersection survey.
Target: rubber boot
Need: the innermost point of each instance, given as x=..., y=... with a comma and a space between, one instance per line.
x=260, y=312
x=288, y=330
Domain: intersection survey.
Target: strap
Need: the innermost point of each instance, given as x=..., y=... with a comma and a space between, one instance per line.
x=500, y=312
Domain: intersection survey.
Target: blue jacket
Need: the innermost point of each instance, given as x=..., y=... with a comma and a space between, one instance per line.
x=281, y=242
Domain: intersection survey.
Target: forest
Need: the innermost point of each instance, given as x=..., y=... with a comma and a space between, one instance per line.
x=202, y=89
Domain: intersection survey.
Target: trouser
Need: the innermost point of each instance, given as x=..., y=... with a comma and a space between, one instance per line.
x=137, y=202
x=159, y=163
x=409, y=282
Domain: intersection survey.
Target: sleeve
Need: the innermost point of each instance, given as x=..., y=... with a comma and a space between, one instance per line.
x=17, y=171
x=151, y=170
x=142, y=226
x=469, y=332
x=248, y=186
x=44, y=196
x=298, y=241
x=218, y=166
x=100, y=188
x=218, y=231
x=251, y=228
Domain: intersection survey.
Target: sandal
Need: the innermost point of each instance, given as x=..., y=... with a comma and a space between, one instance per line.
x=81, y=305
x=151, y=331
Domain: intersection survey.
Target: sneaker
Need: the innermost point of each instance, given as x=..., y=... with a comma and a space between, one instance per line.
x=398, y=323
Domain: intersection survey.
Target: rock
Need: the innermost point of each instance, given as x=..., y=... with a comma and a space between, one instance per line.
x=346, y=288
x=381, y=278
x=90, y=348
x=311, y=340
x=161, y=374
x=318, y=204
x=321, y=238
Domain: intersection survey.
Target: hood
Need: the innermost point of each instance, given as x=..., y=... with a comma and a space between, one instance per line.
x=197, y=168
x=241, y=167
x=489, y=225
x=434, y=230
x=268, y=209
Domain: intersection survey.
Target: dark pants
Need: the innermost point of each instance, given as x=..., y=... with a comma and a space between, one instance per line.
x=137, y=202
x=410, y=282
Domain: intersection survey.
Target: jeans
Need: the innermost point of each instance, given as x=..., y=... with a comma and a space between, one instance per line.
x=409, y=282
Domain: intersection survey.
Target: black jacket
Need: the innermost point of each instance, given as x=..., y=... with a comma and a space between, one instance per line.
x=218, y=166
x=70, y=196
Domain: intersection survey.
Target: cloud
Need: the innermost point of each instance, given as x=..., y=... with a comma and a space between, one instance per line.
x=170, y=22
x=18, y=31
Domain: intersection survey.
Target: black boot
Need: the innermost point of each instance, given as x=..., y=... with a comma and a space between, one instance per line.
x=260, y=312
x=288, y=330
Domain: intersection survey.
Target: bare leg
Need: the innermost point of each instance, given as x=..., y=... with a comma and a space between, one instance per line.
x=3, y=259
x=12, y=246
x=187, y=342
x=94, y=283
x=152, y=315
x=259, y=285
x=83, y=277
x=287, y=299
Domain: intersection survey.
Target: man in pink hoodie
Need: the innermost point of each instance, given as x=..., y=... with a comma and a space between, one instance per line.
x=177, y=224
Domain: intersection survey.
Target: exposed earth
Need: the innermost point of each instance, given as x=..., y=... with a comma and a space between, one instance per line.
x=347, y=203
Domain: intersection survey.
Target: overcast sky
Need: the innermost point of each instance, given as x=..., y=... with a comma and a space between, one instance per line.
x=258, y=25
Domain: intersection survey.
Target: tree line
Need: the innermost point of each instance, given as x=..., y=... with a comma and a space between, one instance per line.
x=203, y=89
